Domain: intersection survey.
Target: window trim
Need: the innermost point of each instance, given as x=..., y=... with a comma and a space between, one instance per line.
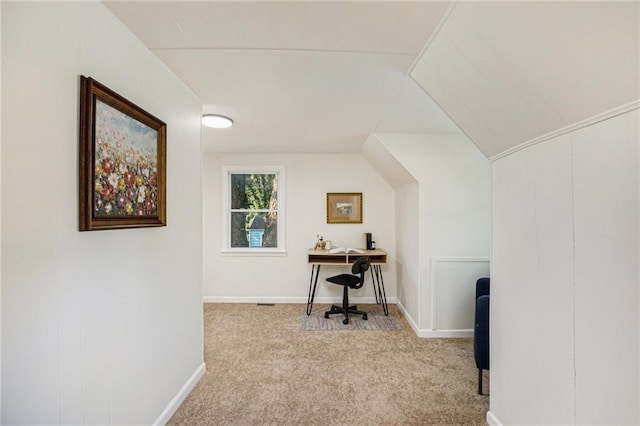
x=226, y=248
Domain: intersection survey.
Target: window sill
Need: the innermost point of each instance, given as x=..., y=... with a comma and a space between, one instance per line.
x=254, y=252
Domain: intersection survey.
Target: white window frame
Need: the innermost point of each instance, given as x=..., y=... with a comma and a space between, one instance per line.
x=226, y=211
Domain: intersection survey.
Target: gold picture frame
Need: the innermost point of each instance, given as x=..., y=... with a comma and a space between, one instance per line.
x=122, y=162
x=344, y=207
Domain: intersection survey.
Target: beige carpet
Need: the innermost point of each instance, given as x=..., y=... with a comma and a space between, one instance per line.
x=263, y=369
x=375, y=321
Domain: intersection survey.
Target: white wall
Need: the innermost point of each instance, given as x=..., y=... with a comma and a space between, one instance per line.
x=97, y=327
x=408, y=251
x=308, y=179
x=454, y=218
x=564, y=305
x=0, y=213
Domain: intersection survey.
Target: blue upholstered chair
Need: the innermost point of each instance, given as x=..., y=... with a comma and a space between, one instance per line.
x=481, y=329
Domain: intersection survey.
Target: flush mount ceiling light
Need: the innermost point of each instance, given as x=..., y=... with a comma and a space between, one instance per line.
x=216, y=121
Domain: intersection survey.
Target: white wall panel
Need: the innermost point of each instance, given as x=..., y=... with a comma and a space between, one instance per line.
x=564, y=304
x=606, y=264
x=554, y=282
x=454, y=290
x=514, y=298
x=97, y=327
x=532, y=287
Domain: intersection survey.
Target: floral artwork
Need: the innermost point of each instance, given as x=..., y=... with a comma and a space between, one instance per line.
x=125, y=165
x=122, y=162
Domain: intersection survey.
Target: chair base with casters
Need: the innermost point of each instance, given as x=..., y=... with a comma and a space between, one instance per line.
x=345, y=309
x=348, y=281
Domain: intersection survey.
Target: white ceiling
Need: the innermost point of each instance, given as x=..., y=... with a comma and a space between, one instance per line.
x=296, y=76
x=515, y=73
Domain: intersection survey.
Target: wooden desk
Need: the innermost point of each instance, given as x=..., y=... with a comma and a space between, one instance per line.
x=318, y=258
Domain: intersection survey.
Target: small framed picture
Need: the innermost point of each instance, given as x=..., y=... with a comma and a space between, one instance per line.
x=122, y=162
x=344, y=207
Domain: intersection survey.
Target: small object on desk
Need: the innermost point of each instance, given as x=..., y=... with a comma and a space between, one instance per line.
x=366, y=240
x=320, y=244
x=372, y=245
x=345, y=250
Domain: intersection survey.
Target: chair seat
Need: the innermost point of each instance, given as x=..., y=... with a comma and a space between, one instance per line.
x=345, y=279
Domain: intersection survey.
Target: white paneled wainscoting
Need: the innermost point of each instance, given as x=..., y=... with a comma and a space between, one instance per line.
x=452, y=296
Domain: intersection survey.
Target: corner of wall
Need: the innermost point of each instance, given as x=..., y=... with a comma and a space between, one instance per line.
x=385, y=163
x=182, y=394
x=492, y=420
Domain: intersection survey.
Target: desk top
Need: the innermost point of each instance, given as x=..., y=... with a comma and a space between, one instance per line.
x=323, y=257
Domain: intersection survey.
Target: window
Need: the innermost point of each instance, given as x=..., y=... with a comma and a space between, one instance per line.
x=254, y=209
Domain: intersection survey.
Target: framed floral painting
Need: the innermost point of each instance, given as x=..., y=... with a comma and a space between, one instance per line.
x=344, y=207
x=122, y=162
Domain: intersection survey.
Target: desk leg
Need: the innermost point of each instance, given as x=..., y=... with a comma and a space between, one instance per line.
x=312, y=287
x=380, y=289
x=375, y=289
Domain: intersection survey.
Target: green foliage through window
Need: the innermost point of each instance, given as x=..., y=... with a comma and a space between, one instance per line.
x=254, y=210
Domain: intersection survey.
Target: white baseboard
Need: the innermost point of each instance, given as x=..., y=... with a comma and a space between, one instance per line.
x=300, y=300
x=252, y=300
x=492, y=419
x=444, y=333
x=432, y=333
x=180, y=396
x=408, y=317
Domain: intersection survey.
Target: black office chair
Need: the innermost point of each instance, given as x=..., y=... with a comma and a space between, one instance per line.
x=348, y=281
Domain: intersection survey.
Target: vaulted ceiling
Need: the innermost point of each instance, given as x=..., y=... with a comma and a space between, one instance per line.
x=323, y=76
x=296, y=76
x=512, y=73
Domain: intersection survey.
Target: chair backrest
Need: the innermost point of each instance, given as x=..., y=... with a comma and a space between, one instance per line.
x=482, y=287
x=359, y=267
